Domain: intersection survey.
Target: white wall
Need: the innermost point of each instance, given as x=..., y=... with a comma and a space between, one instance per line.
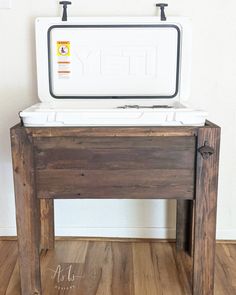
x=213, y=88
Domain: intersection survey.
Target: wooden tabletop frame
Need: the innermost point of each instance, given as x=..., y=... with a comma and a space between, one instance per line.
x=178, y=163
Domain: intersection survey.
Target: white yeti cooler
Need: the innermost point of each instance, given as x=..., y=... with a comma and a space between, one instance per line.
x=119, y=71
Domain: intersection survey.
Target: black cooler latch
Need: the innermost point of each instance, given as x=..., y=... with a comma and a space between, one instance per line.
x=162, y=8
x=65, y=4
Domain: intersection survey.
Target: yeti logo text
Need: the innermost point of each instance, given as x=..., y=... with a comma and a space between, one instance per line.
x=113, y=61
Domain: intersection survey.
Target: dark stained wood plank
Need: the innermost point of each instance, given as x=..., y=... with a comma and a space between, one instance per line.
x=153, y=183
x=116, y=153
x=205, y=213
x=129, y=159
x=115, y=171
x=27, y=212
x=209, y=124
x=78, y=171
x=179, y=143
x=184, y=225
x=47, y=223
x=110, y=131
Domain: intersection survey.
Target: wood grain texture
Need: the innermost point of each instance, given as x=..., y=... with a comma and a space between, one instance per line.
x=205, y=213
x=146, y=282
x=47, y=223
x=122, y=270
x=64, y=257
x=225, y=269
x=14, y=286
x=178, y=143
x=90, y=259
x=110, y=131
x=130, y=163
x=121, y=167
x=184, y=225
x=184, y=264
x=115, y=153
x=170, y=276
x=27, y=212
x=123, y=184
x=8, y=256
x=97, y=270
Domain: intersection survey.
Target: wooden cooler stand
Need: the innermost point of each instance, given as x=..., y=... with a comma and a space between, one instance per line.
x=178, y=163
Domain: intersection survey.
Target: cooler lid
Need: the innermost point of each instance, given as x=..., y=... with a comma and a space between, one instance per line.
x=109, y=58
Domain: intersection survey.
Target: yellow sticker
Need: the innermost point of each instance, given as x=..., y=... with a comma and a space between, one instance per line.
x=63, y=48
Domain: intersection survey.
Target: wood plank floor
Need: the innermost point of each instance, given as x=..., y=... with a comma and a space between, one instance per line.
x=116, y=268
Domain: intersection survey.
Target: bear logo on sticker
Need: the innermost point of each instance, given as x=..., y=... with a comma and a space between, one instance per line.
x=63, y=48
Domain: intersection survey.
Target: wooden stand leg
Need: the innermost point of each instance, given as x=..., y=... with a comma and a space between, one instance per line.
x=27, y=213
x=205, y=211
x=184, y=225
x=47, y=223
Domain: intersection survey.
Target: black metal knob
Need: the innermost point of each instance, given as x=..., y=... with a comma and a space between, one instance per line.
x=65, y=4
x=162, y=7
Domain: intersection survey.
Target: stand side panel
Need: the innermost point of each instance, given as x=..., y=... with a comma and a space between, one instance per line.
x=205, y=210
x=27, y=212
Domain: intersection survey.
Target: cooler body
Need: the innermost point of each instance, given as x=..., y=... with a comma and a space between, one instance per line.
x=113, y=72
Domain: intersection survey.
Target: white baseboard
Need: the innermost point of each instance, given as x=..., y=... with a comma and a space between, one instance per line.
x=226, y=234
x=7, y=231
x=128, y=232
